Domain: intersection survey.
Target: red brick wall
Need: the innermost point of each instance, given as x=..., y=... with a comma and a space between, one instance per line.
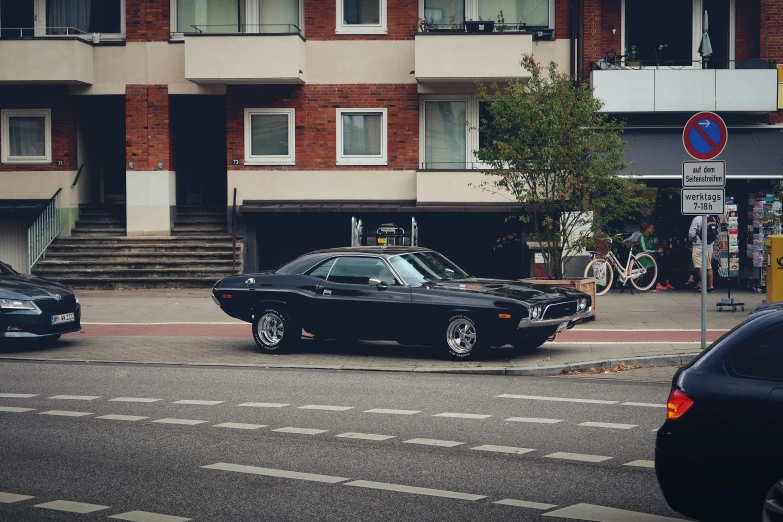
x=402, y=19
x=147, y=136
x=591, y=40
x=63, y=123
x=562, y=19
x=316, y=115
x=147, y=20
x=611, y=13
x=771, y=43
x=747, y=31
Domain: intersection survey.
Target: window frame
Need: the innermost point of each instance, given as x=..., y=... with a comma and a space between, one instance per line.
x=252, y=8
x=397, y=280
x=383, y=158
x=343, y=28
x=472, y=9
x=40, y=24
x=5, y=157
x=288, y=159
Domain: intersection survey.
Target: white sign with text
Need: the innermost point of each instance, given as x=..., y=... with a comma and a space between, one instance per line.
x=700, y=174
x=699, y=202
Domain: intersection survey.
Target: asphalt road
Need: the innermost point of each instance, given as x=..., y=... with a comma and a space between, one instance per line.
x=233, y=444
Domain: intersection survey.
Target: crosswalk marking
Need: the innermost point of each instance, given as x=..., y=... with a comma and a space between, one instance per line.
x=365, y=436
x=555, y=399
x=18, y=395
x=189, y=422
x=503, y=449
x=240, y=426
x=269, y=472
x=122, y=417
x=413, y=489
x=606, y=514
x=577, y=456
x=199, y=403
x=534, y=420
x=434, y=442
x=145, y=516
x=462, y=415
x=264, y=404
x=643, y=404
x=14, y=409
x=65, y=413
x=10, y=498
x=392, y=412
x=303, y=431
x=134, y=399
x=609, y=425
x=323, y=407
x=76, y=397
x=641, y=463
x=525, y=504
x=71, y=507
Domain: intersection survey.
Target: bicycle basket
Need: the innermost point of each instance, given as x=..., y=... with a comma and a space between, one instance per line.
x=603, y=246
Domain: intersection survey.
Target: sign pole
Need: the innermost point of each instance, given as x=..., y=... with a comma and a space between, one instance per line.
x=704, y=266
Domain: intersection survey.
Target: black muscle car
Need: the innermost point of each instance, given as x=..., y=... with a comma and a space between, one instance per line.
x=406, y=294
x=31, y=307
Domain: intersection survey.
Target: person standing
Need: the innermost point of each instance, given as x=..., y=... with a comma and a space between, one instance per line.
x=647, y=246
x=694, y=234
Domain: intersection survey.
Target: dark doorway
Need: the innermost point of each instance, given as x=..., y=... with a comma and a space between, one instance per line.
x=719, y=29
x=102, y=149
x=17, y=19
x=199, y=148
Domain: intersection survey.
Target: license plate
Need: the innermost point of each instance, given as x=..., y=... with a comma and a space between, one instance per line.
x=562, y=327
x=63, y=318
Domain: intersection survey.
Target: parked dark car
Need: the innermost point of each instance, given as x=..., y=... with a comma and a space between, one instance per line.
x=765, y=308
x=31, y=307
x=407, y=294
x=719, y=454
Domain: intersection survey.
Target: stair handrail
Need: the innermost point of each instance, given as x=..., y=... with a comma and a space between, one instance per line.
x=78, y=173
x=44, y=229
x=234, y=234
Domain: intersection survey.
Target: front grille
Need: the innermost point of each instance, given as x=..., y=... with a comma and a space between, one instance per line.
x=556, y=311
x=52, y=306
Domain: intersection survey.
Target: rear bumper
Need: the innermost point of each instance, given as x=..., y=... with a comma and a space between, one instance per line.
x=35, y=324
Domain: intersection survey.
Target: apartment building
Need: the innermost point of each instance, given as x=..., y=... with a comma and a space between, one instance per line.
x=310, y=116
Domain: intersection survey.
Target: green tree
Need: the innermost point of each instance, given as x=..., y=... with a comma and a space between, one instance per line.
x=550, y=148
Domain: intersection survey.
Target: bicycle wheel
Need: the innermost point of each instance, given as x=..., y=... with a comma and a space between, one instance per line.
x=601, y=271
x=648, y=272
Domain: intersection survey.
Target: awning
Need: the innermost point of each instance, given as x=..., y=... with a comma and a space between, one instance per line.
x=375, y=206
x=751, y=153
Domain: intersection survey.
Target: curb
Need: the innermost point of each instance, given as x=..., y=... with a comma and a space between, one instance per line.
x=528, y=371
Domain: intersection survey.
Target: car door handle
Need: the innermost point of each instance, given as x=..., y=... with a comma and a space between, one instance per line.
x=327, y=291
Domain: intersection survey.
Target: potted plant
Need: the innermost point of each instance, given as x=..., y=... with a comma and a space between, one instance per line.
x=486, y=26
x=426, y=24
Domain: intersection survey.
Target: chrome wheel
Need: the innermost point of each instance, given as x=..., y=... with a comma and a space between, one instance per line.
x=271, y=329
x=461, y=335
x=773, y=504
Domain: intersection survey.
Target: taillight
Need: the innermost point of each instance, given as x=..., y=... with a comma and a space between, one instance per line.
x=677, y=404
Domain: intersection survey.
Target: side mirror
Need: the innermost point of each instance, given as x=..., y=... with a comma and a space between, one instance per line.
x=374, y=282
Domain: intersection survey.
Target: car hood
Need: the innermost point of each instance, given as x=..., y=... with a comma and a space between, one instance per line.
x=525, y=292
x=20, y=286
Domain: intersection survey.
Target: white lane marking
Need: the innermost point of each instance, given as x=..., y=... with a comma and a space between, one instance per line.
x=534, y=420
x=609, y=425
x=525, y=504
x=365, y=436
x=18, y=395
x=634, y=330
x=435, y=442
x=65, y=413
x=281, y=473
x=240, y=426
x=189, y=422
x=122, y=417
x=145, y=516
x=644, y=404
x=323, y=407
x=554, y=399
x=594, y=513
x=392, y=412
x=71, y=507
x=180, y=322
x=577, y=456
x=199, y=403
x=601, y=343
x=76, y=397
x=503, y=449
x=303, y=431
x=14, y=409
x=264, y=404
x=462, y=415
x=413, y=489
x=641, y=464
x=134, y=399
x=10, y=498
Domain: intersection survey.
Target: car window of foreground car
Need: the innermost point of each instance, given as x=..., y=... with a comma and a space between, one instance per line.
x=760, y=357
x=714, y=344
x=422, y=267
x=6, y=270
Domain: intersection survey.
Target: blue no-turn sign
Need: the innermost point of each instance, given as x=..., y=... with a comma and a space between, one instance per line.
x=705, y=136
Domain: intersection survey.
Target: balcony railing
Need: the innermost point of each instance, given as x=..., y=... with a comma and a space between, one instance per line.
x=44, y=229
x=241, y=28
x=18, y=33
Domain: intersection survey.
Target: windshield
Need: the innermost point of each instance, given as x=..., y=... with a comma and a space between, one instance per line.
x=421, y=267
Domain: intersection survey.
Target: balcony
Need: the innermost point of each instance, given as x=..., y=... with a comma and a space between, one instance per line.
x=66, y=61
x=467, y=57
x=245, y=58
x=686, y=90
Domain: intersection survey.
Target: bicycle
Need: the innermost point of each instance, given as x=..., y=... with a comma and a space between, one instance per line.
x=641, y=269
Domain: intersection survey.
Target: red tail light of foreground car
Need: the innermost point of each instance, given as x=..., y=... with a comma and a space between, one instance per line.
x=677, y=404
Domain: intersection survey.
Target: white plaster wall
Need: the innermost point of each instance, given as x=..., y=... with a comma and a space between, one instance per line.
x=360, y=61
x=40, y=185
x=149, y=198
x=69, y=61
x=458, y=187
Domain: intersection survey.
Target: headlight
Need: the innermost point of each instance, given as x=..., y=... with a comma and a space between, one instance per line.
x=535, y=312
x=582, y=304
x=15, y=304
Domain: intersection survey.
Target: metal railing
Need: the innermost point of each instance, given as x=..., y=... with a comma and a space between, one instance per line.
x=44, y=229
x=78, y=174
x=234, y=234
x=31, y=32
x=612, y=61
x=453, y=165
x=245, y=29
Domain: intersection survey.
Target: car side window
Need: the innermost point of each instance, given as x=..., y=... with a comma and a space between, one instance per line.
x=359, y=271
x=761, y=357
x=322, y=270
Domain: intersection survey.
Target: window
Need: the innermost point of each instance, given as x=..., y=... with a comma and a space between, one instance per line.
x=85, y=16
x=532, y=13
x=516, y=13
x=322, y=270
x=361, y=137
x=445, y=13
x=270, y=137
x=238, y=16
x=484, y=115
x=426, y=266
x=761, y=357
x=445, y=134
x=361, y=17
x=359, y=271
x=26, y=136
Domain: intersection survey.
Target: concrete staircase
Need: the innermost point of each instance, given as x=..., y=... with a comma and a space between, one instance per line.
x=98, y=255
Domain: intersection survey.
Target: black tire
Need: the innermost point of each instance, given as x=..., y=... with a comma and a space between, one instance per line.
x=532, y=341
x=274, y=331
x=461, y=337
